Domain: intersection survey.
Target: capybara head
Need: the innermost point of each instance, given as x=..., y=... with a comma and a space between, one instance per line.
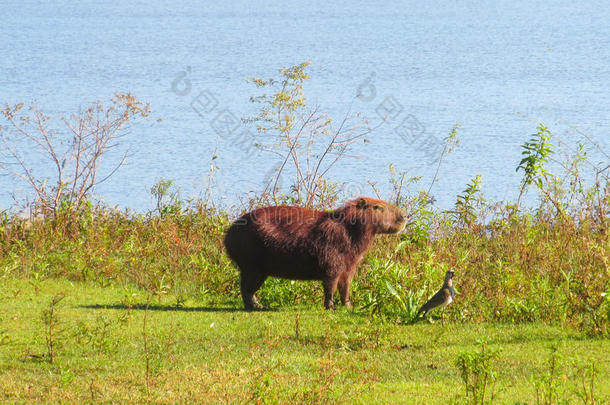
x=383, y=217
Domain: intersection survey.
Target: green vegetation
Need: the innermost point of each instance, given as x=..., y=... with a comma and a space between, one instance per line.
x=104, y=305
x=205, y=350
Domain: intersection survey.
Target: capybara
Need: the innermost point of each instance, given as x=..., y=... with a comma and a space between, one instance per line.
x=303, y=244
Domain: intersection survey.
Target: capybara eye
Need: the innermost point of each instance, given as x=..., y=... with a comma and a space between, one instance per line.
x=362, y=204
x=378, y=207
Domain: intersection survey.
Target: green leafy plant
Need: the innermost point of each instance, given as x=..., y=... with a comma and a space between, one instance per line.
x=536, y=152
x=465, y=206
x=98, y=335
x=385, y=295
x=166, y=197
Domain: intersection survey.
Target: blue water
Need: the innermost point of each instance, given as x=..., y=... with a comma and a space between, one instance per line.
x=498, y=68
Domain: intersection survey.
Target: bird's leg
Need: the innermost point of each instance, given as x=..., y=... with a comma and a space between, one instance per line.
x=443, y=317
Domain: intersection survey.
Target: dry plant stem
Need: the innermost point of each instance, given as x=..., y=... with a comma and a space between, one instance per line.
x=75, y=153
x=311, y=189
x=296, y=326
x=210, y=178
x=146, y=353
x=51, y=321
x=292, y=143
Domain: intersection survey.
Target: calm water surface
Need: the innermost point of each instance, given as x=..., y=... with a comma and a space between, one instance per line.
x=498, y=68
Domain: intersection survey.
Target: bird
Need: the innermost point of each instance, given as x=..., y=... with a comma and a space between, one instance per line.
x=442, y=298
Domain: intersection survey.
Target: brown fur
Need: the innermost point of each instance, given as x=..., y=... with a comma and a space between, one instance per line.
x=302, y=244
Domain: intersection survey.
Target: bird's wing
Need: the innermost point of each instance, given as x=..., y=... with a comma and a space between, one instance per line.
x=436, y=300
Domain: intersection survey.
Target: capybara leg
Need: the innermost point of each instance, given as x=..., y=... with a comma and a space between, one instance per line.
x=344, y=285
x=250, y=283
x=330, y=287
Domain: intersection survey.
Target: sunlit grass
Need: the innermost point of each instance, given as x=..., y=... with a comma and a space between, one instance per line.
x=208, y=350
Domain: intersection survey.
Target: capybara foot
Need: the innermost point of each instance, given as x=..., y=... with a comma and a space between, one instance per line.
x=329, y=305
x=256, y=307
x=251, y=304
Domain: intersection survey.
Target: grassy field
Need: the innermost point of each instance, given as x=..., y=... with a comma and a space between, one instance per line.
x=107, y=347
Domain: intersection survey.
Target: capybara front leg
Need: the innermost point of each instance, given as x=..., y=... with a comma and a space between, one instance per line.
x=330, y=287
x=344, y=284
x=250, y=283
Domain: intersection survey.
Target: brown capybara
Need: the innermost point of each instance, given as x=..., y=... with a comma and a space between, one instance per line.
x=303, y=244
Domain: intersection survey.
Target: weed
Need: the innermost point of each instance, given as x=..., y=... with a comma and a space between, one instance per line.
x=465, y=206
x=166, y=198
x=585, y=377
x=535, y=154
x=261, y=385
x=548, y=387
x=297, y=322
x=98, y=336
x=146, y=349
x=321, y=390
x=477, y=373
x=53, y=334
x=4, y=337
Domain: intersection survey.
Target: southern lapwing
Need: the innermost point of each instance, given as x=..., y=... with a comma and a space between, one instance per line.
x=442, y=298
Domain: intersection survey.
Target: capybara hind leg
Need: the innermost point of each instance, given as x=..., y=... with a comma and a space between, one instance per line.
x=344, y=284
x=250, y=283
x=330, y=287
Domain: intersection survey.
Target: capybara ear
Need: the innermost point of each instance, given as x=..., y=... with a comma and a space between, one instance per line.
x=361, y=204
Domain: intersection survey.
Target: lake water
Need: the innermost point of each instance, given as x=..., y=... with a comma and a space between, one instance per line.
x=499, y=68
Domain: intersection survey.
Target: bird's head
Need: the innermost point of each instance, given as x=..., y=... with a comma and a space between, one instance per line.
x=449, y=277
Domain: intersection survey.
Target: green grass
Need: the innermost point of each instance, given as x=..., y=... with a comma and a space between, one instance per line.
x=207, y=350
